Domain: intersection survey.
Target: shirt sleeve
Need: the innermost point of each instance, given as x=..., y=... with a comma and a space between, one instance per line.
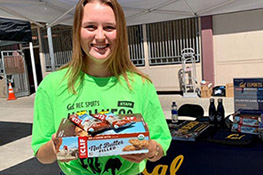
x=154, y=117
x=43, y=122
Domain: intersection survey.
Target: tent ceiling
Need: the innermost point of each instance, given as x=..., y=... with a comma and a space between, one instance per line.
x=137, y=11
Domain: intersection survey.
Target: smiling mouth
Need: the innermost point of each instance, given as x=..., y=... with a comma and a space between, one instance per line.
x=100, y=46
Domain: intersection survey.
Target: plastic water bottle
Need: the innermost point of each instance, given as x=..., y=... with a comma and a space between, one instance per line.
x=174, y=112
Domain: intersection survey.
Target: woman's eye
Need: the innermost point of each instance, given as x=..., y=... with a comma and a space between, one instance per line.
x=90, y=27
x=109, y=28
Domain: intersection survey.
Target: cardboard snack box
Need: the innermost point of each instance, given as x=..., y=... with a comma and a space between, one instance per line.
x=247, y=119
x=206, y=90
x=229, y=90
x=247, y=122
x=73, y=142
x=245, y=129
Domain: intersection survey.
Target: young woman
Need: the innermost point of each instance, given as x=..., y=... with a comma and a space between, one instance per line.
x=99, y=77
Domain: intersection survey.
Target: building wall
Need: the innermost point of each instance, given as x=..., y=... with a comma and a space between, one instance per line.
x=166, y=78
x=238, y=48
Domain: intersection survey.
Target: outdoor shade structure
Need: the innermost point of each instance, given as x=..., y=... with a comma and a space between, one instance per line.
x=14, y=31
x=47, y=13
x=17, y=32
x=54, y=12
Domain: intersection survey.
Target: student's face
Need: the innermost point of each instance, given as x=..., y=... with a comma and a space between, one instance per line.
x=98, y=31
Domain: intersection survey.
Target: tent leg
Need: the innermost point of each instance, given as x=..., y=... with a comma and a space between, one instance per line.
x=33, y=65
x=51, y=50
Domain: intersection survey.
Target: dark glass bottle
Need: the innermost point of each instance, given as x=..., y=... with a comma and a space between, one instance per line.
x=220, y=117
x=212, y=112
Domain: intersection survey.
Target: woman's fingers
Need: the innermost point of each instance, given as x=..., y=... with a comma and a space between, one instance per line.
x=53, y=144
x=137, y=158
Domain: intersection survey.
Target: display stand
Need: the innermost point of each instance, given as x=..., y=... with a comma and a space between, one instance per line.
x=189, y=80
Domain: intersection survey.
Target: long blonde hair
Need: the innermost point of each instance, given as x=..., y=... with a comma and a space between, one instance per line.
x=119, y=60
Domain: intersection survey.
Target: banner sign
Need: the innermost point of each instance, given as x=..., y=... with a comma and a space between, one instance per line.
x=248, y=94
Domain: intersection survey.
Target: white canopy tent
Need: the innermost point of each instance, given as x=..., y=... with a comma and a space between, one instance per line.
x=53, y=12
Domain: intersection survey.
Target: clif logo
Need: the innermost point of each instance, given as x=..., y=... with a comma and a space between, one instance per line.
x=83, y=152
x=74, y=118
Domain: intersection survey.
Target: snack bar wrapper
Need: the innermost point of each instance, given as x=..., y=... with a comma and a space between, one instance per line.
x=115, y=121
x=88, y=123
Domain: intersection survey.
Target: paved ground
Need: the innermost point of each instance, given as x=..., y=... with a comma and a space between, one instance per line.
x=17, y=158
x=16, y=119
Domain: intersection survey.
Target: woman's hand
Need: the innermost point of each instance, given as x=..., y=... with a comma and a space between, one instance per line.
x=137, y=158
x=47, y=153
x=154, y=154
x=56, y=144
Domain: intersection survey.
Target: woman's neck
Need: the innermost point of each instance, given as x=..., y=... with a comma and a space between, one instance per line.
x=97, y=70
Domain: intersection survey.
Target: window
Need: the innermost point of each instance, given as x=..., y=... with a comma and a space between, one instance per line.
x=167, y=39
x=136, y=49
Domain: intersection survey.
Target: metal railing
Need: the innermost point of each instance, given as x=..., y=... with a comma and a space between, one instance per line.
x=167, y=39
x=136, y=48
x=61, y=58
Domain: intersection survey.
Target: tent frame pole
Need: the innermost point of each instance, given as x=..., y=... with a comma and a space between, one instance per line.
x=51, y=50
x=33, y=65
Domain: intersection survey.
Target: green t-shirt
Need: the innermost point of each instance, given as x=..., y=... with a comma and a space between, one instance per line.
x=53, y=102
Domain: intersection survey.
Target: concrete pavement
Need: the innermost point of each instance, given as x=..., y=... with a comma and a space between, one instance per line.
x=16, y=111
x=16, y=118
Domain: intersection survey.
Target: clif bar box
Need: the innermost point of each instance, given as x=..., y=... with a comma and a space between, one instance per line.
x=247, y=119
x=245, y=129
x=72, y=142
